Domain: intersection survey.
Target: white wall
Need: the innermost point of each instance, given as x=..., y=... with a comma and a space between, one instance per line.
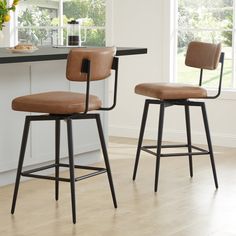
x=135, y=24
x=145, y=23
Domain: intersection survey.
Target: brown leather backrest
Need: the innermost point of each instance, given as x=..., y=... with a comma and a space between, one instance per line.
x=100, y=63
x=203, y=55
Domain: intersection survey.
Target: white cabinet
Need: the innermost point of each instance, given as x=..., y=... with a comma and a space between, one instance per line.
x=26, y=78
x=15, y=81
x=47, y=76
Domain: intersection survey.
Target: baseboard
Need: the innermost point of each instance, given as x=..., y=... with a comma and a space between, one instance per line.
x=218, y=139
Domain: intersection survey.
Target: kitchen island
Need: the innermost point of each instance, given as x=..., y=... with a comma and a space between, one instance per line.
x=41, y=71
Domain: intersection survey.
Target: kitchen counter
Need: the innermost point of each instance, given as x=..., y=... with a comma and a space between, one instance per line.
x=50, y=53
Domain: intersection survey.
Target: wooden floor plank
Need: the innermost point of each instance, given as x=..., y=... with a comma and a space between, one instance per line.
x=182, y=206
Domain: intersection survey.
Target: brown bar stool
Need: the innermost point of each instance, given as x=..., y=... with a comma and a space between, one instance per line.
x=199, y=55
x=83, y=65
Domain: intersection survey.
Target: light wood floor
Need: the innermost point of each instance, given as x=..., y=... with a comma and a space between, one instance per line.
x=182, y=206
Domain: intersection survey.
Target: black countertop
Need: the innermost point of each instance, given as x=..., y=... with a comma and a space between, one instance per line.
x=50, y=53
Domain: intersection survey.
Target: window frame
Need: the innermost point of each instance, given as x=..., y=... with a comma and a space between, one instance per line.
x=13, y=37
x=173, y=42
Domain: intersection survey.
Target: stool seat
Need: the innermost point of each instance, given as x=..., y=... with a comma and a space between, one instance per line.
x=170, y=91
x=56, y=102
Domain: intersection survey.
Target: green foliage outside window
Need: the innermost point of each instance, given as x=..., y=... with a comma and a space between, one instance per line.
x=211, y=14
x=209, y=21
x=92, y=13
x=227, y=35
x=34, y=17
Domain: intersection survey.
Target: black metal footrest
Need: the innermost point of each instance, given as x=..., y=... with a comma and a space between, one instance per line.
x=201, y=151
x=30, y=173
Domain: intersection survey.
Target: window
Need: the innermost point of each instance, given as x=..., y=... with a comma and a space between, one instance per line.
x=44, y=22
x=208, y=21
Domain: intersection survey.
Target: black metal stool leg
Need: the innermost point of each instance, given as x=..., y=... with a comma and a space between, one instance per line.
x=57, y=157
x=188, y=129
x=159, y=142
x=106, y=159
x=140, y=140
x=71, y=167
x=20, y=163
x=204, y=114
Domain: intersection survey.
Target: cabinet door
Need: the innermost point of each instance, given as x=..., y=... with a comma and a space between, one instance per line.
x=50, y=76
x=27, y=78
x=14, y=82
x=47, y=76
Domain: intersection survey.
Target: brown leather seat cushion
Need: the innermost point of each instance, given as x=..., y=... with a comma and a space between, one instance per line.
x=55, y=103
x=170, y=91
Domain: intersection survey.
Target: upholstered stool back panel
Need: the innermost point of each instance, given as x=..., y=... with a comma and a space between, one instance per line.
x=203, y=55
x=101, y=62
